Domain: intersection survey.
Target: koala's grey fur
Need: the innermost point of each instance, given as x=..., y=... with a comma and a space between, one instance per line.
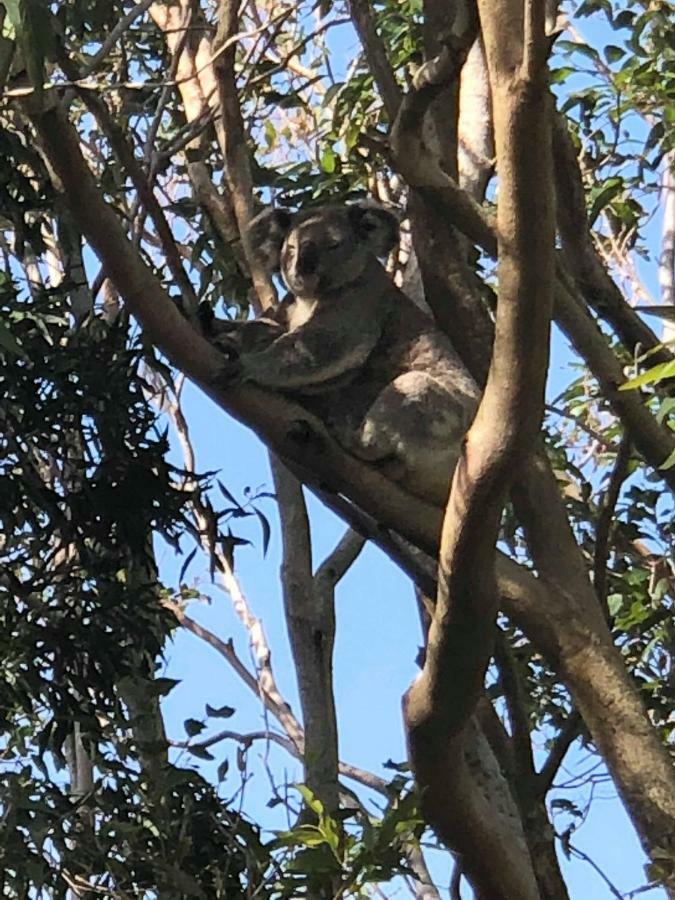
x=355, y=350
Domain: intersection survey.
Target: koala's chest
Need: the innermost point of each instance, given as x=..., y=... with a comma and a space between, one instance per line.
x=300, y=312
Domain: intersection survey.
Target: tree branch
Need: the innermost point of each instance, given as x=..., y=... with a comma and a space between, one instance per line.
x=310, y=617
x=516, y=703
x=232, y=139
x=568, y=734
x=581, y=256
x=439, y=703
x=603, y=525
x=376, y=54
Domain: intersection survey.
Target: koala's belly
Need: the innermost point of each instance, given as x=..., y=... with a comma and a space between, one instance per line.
x=411, y=427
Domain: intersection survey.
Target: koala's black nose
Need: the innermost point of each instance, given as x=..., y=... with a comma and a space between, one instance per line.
x=308, y=258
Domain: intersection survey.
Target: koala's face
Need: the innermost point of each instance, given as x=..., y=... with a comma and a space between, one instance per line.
x=322, y=250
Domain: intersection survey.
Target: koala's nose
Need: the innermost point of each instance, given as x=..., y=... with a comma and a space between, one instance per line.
x=308, y=258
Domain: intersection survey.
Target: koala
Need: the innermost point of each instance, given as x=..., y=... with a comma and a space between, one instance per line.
x=354, y=350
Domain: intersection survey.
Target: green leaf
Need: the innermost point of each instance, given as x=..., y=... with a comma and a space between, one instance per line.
x=614, y=603
x=163, y=686
x=13, y=14
x=332, y=92
x=9, y=343
x=201, y=753
x=220, y=712
x=193, y=727
x=607, y=192
x=562, y=74
x=669, y=462
x=303, y=835
x=310, y=800
x=613, y=53
x=328, y=160
x=651, y=376
x=266, y=530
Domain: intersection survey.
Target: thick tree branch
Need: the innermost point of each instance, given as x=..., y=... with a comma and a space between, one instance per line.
x=443, y=200
x=440, y=702
x=198, y=90
x=582, y=259
x=511, y=409
x=310, y=617
x=232, y=139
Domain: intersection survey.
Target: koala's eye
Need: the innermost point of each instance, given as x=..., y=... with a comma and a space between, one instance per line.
x=334, y=242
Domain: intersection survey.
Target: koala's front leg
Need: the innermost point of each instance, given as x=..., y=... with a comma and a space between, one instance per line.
x=311, y=355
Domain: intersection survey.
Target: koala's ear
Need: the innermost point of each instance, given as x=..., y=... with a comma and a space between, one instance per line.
x=377, y=226
x=266, y=234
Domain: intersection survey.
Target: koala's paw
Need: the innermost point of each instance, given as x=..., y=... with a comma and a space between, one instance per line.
x=231, y=369
x=229, y=345
x=301, y=432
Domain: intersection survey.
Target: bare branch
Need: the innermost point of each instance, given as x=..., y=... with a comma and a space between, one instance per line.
x=310, y=615
x=115, y=34
x=341, y=558
x=667, y=254
x=376, y=54
x=246, y=739
x=603, y=525
x=568, y=734
x=271, y=699
x=581, y=257
x=232, y=139
x=140, y=180
x=516, y=703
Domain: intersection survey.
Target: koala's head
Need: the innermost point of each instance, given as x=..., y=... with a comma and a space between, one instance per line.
x=325, y=249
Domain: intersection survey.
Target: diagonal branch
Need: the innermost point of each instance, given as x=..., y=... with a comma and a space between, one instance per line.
x=364, y=22
x=581, y=256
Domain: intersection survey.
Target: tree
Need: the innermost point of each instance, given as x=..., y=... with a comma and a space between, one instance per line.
x=150, y=135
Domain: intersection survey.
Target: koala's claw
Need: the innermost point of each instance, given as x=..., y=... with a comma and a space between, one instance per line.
x=231, y=370
x=228, y=346
x=301, y=432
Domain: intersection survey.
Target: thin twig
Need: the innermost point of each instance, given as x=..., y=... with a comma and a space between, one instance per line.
x=84, y=85
x=116, y=34
x=568, y=734
x=516, y=703
x=603, y=526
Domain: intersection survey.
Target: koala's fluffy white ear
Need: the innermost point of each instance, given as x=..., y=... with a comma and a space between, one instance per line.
x=266, y=234
x=377, y=226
